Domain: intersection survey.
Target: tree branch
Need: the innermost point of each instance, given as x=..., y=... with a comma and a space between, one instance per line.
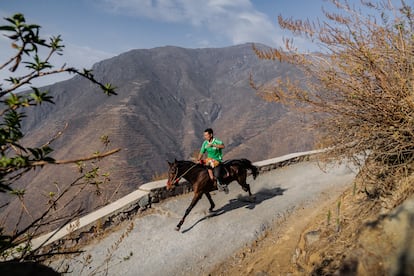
x=42, y=163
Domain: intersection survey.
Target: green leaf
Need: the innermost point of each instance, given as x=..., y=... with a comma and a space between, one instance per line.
x=55, y=44
x=41, y=153
x=19, y=18
x=109, y=89
x=49, y=159
x=13, y=100
x=7, y=28
x=39, y=96
x=18, y=192
x=4, y=188
x=13, y=81
x=36, y=152
x=37, y=64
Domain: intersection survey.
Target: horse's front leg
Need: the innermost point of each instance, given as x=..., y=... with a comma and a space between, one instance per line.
x=196, y=198
x=212, y=205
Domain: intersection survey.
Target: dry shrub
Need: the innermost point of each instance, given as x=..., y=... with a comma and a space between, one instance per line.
x=359, y=84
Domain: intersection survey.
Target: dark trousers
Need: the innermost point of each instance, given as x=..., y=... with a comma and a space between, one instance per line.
x=218, y=172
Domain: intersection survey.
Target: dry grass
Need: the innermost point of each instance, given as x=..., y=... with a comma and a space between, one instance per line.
x=307, y=243
x=339, y=248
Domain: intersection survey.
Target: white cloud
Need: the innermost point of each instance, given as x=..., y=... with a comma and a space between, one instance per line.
x=82, y=56
x=235, y=20
x=247, y=27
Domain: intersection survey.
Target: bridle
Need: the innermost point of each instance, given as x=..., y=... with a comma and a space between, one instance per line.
x=176, y=179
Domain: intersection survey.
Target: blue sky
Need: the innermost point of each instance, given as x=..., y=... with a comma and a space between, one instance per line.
x=93, y=30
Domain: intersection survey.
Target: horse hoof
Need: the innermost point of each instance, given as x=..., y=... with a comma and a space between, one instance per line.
x=177, y=228
x=252, y=199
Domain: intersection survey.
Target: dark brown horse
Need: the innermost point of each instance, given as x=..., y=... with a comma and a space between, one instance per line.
x=197, y=175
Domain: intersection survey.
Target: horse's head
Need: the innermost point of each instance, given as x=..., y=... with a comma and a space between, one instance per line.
x=173, y=176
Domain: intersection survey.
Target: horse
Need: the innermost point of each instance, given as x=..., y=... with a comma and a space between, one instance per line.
x=197, y=175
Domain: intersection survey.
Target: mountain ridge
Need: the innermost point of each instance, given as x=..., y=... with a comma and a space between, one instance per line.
x=166, y=97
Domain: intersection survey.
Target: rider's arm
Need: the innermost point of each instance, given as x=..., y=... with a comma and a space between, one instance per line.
x=202, y=151
x=218, y=144
x=200, y=155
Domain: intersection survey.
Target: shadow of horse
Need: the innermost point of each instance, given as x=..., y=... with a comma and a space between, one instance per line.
x=242, y=202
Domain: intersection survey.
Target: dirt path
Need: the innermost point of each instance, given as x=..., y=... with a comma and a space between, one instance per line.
x=273, y=254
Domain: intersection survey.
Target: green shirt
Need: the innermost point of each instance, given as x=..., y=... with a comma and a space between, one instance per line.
x=212, y=152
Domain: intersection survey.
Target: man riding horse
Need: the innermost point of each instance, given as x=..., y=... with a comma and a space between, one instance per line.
x=200, y=178
x=213, y=147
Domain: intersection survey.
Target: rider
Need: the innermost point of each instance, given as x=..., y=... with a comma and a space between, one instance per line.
x=213, y=147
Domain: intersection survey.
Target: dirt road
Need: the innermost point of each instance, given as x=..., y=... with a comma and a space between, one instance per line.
x=153, y=247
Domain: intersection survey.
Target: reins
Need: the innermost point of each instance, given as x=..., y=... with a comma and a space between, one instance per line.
x=176, y=179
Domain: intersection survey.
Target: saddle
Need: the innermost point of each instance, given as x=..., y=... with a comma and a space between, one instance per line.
x=211, y=163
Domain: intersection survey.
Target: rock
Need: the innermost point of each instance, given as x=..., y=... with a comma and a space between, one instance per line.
x=386, y=246
x=312, y=236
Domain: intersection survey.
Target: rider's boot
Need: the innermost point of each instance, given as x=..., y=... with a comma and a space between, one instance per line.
x=222, y=187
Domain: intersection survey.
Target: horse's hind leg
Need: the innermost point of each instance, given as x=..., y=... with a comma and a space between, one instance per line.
x=196, y=198
x=246, y=188
x=242, y=182
x=212, y=205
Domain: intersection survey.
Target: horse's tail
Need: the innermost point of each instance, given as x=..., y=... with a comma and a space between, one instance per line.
x=248, y=165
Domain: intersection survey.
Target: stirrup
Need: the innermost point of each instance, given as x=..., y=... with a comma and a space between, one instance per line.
x=222, y=187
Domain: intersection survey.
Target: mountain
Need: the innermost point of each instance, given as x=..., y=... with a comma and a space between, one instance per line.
x=166, y=97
